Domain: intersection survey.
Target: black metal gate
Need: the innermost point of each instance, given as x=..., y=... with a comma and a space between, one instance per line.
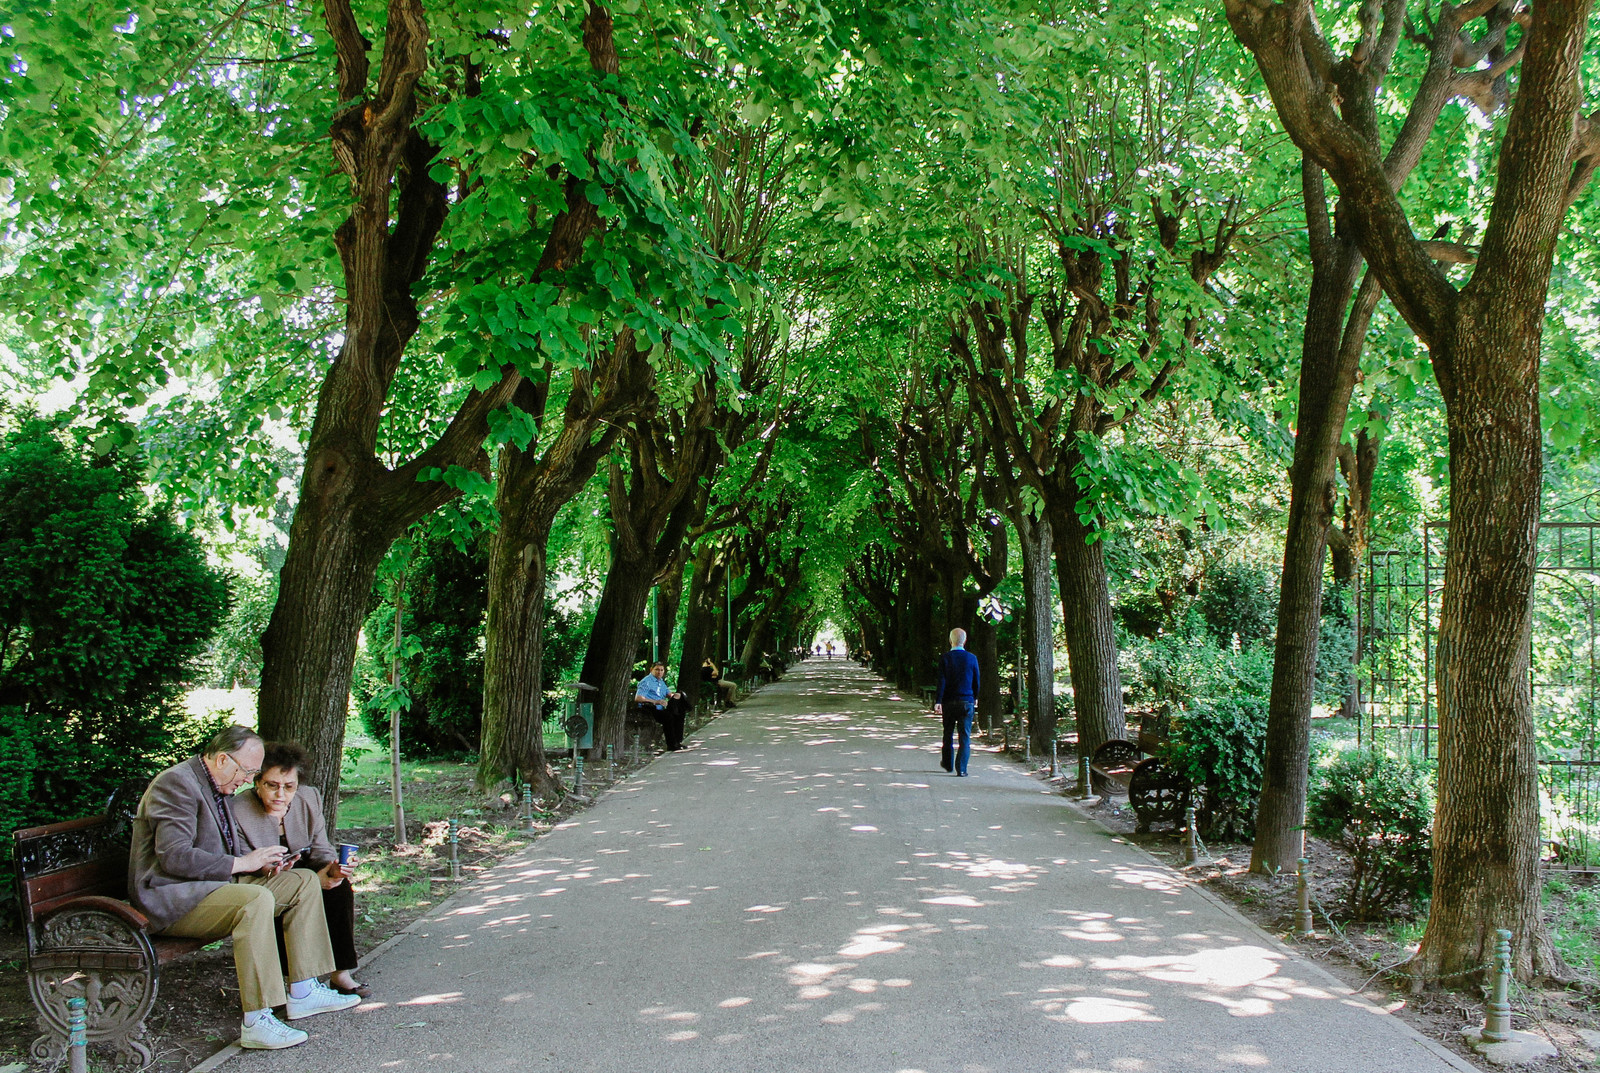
x=1399, y=623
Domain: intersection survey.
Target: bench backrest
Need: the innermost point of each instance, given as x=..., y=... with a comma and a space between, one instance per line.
x=73, y=859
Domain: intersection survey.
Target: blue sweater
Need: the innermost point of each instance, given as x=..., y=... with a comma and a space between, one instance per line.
x=958, y=676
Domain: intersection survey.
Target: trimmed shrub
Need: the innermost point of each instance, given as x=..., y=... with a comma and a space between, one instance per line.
x=1379, y=810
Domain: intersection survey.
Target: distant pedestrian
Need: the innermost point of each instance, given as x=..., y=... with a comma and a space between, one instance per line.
x=830, y=649
x=958, y=688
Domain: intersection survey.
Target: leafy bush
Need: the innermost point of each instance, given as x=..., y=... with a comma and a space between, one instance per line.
x=1379, y=810
x=1239, y=599
x=104, y=608
x=1336, y=643
x=1179, y=670
x=1218, y=746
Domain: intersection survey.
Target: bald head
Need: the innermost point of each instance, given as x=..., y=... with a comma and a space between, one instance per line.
x=958, y=638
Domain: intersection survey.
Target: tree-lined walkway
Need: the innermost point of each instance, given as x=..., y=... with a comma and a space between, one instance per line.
x=804, y=889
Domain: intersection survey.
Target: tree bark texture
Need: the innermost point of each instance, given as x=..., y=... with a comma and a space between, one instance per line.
x=1329, y=358
x=1090, y=630
x=699, y=624
x=613, y=651
x=1486, y=824
x=1038, y=638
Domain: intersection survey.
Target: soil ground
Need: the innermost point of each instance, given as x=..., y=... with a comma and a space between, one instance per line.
x=1357, y=953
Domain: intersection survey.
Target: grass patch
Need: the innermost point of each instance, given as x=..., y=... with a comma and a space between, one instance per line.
x=1574, y=916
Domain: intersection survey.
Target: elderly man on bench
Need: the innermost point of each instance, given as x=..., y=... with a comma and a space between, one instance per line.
x=187, y=874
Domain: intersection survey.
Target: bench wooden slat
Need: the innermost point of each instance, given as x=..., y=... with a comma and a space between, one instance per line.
x=106, y=876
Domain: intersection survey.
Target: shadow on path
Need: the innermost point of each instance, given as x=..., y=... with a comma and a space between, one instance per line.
x=804, y=889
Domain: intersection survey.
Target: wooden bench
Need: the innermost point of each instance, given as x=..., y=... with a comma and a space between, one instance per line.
x=83, y=938
x=1111, y=767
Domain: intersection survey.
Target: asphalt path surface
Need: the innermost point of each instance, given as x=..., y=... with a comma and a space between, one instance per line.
x=804, y=889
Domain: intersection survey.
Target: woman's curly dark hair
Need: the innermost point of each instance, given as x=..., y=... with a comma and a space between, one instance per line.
x=286, y=755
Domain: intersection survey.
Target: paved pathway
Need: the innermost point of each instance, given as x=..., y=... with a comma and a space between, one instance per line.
x=804, y=889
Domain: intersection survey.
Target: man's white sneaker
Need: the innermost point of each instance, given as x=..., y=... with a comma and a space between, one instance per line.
x=323, y=999
x=269, y=1034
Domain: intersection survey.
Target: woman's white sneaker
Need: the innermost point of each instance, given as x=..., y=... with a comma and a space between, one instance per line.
x=322, y=999
x=269, y=1034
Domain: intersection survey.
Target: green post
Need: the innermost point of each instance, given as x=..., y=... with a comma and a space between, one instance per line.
x=1497, y=1017
x=77, y=1035
x=1304, y=925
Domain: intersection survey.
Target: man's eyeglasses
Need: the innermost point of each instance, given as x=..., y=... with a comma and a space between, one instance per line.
x=248, y=771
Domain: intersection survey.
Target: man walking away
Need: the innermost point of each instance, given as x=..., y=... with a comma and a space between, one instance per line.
x=958, y=686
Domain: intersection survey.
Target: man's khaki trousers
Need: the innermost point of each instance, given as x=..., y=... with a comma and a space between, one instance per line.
x=245, y=909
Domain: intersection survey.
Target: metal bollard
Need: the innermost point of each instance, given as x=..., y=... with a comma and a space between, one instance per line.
x=1191, y=848
x=1304, y=925
x=577, y=777
x=77, y=1035
x=455, y=841
x=1083, y=778
x=636, y=750
x=527, y=804
x=1497, y=1015
x=1055, y=766
x=611, y=765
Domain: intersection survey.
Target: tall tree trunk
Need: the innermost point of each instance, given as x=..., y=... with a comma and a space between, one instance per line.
x=309, y=646
x=1486, y=826
x=513, y=721
x=986, y=646
x=1328, y=364
x=1090, y=630
x=531, y=490
x=1038, y=640
x=700, y=620
x=1359, y=462
x=614, y=647
x=668, y=595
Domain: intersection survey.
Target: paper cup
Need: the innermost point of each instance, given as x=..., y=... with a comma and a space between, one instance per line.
x=346, y=851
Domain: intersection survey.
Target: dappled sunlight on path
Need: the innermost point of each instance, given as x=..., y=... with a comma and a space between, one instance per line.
x=804, y=889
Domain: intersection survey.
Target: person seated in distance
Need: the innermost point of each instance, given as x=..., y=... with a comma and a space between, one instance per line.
x=192, y=875
x=653, y=696
x=711, y=674
x=280, y=811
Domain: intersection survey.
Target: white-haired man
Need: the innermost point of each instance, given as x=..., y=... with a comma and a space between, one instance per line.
x=954, y=700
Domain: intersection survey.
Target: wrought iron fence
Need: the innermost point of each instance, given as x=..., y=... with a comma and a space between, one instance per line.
x=1399, y=623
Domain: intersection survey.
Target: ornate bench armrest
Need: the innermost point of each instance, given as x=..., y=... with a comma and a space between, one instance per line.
x=110, y=906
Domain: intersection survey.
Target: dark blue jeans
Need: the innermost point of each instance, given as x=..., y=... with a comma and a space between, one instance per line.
x=957, y=716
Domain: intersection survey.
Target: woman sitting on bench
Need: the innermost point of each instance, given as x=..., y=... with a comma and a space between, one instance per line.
x=711, y=675
x=277, y=810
